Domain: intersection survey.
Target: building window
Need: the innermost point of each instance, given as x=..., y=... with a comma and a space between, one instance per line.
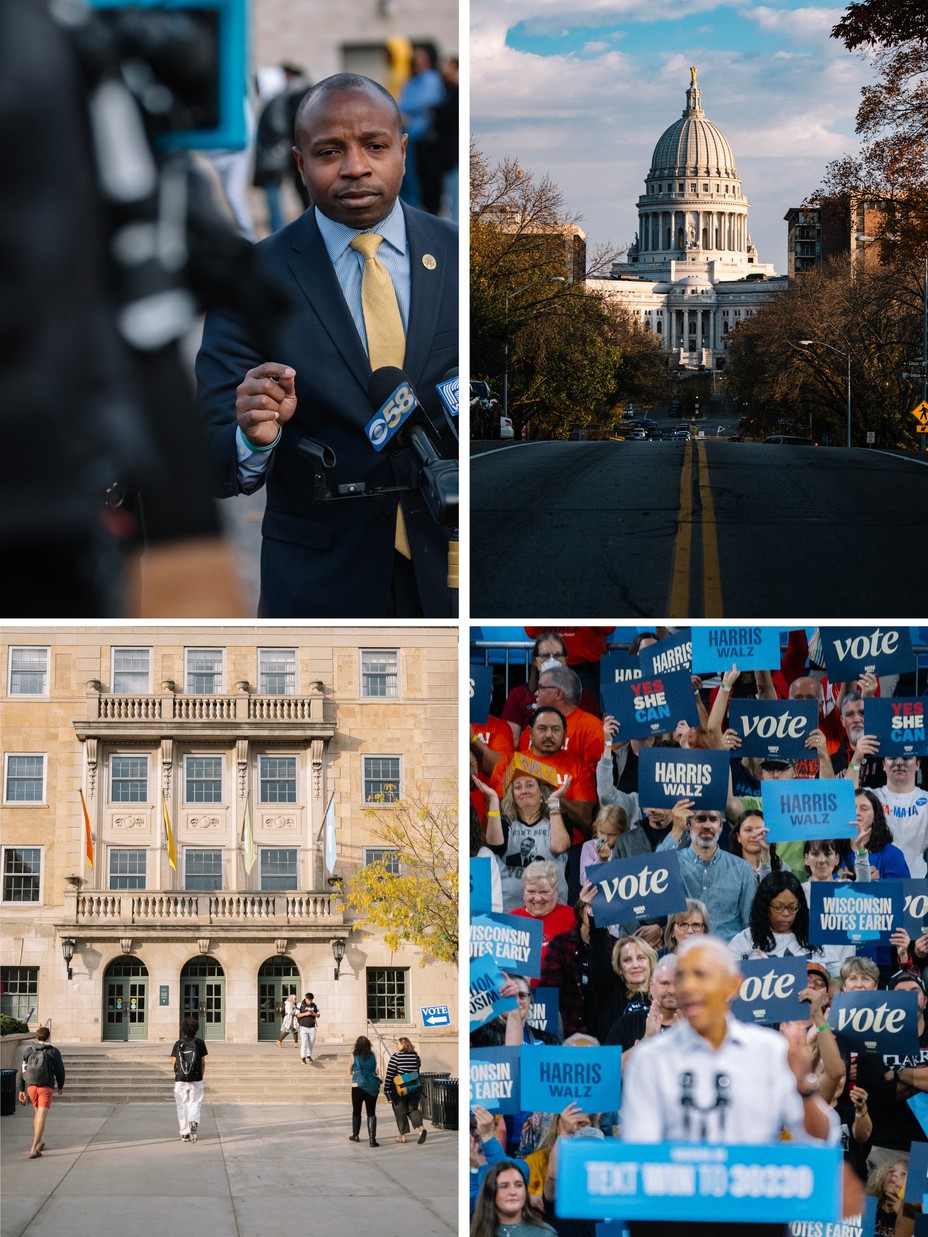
x=381, y=779
x=278, y=869
x=380, y=673
x=202, y=779
x=28, y=672
x=25, y=779
x=203, y=869
x=681, y=188
x=277, y=779
x=387, y=994
x=128, y=779
x=22, y=870
x=204, y=672
x=277, y=672
x=19, y=991
x=127, y=868
x=131, y=672
x=388, y=856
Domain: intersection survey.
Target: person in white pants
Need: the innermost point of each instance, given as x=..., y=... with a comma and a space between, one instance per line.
x=308, y=1016
x=187, y=1057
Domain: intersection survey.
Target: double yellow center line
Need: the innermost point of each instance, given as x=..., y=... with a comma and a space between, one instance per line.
x=681, y=576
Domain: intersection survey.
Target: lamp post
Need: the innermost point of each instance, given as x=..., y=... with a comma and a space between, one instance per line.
x=808, y=343
x=67, y=950
x=338, y=952
x=511, y=296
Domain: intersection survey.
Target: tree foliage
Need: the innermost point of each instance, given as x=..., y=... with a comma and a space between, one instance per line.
x=419, y=903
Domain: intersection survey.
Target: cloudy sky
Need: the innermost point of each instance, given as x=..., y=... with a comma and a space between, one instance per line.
x=584, y=94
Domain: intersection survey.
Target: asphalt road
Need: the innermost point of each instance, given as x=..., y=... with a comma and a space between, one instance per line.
x=709, y=528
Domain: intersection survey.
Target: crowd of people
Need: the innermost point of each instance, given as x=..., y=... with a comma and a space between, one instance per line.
x=555, y=791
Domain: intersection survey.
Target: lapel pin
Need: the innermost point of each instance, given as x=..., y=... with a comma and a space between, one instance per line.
x=428, y=262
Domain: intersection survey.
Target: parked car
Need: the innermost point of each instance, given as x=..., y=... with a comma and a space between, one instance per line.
x=790, y=440
x=637, y=435
x=505, y=427
x=682, y=435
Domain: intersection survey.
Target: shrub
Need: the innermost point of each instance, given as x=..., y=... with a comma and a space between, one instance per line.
x=12, y=1026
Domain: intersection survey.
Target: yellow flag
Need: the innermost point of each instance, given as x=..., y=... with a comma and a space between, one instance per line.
x=88, y=839
x=172, y=852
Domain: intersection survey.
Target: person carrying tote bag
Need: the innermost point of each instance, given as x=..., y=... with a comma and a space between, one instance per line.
x=403, y=1088
x=289, y=1025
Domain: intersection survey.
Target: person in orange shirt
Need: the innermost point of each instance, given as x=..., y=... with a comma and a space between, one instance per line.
x=491, y=741
x=559, y=687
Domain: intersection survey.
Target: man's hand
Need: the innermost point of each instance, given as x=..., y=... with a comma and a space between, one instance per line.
x=486, y=1123
x=264, y=401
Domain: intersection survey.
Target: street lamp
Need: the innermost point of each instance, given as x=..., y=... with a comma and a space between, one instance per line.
x=511, y=296
x=67, y=950
x=808, y=343
x=338, y=952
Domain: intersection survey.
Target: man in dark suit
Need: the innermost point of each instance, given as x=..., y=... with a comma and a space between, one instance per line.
x=382, y=556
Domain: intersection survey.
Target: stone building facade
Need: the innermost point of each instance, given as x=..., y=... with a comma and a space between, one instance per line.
x=212, y=731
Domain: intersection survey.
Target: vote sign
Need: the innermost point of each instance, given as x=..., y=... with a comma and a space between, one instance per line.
x=770, y=990
x=852, y=651
x=915, y=907
x=494, y=1079
x=898, y=724
x=676, y=1181
x=486, y=999
x=553, y=1077
x=667, y=774
x=845, y=914
x=716, y=649
x=513, y=941
x=672, y=653
x=481, y=690
x=883, y=1021
x=802, y=809
x=646, y=707
x=639, y=887
x=773, y=729
x=436, y=1016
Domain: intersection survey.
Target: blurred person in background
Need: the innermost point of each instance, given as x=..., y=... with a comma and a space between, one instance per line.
x=422, y=93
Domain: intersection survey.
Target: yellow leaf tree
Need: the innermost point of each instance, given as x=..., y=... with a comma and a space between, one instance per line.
x=411, y=893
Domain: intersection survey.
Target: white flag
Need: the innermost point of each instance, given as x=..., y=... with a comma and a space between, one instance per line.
x=330, y=836
x=248, y=849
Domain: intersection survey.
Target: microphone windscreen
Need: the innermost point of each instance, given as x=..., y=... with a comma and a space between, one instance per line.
x=383, y=382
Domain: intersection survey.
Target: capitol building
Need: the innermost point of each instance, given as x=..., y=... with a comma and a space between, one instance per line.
x=692, y=273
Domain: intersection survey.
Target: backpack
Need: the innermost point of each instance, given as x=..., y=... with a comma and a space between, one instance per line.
x=36, y=1069
x=186, y=1058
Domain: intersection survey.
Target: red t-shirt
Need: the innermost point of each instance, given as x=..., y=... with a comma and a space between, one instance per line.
x=561, y=919
x=582, y=643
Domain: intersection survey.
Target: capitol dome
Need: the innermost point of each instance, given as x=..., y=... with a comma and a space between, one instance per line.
x=693, y=146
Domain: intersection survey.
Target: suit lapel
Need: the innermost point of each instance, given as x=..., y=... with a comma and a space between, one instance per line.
x=427, y=269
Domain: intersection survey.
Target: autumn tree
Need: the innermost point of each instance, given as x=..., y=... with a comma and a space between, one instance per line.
x=411, y=893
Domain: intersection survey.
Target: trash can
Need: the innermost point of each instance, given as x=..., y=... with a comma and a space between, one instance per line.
x=427, y=1098
x=7, y=1092
x=445, y=1103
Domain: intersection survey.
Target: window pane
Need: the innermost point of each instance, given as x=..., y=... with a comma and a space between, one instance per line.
x=277, y=672
x=388, y=856
x=203, y=869
x=127, y=868
x=131, y=671
x=278, y=869
x=379, y=672
x=277, y=779
x=128, y=779
x=387, y=994
x=28, y=672
x=381, y=779
x=25, y=777
x=22, y=866
x=203, y=779
x=204, y=671
x=19, y=991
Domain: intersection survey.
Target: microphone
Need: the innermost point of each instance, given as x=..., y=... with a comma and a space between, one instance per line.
x=449, y=392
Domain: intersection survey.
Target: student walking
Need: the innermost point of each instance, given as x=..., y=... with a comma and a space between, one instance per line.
x=403, y=1088
x=189, y=1066
x=365, y=1087
x=289, y=1023
x=42, y=1069
x=307, y=1017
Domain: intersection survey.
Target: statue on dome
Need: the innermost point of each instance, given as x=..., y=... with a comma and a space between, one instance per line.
x=693, y=74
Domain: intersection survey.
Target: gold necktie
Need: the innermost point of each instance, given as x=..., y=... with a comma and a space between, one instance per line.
x=386, y=339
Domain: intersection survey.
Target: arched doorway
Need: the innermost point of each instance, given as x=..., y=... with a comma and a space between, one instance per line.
x=276, y=978
x=203, y=996
x=125, y=1000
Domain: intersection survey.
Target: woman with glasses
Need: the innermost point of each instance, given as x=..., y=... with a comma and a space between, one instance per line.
x=681, y=925
x=520, y=703
x=779, y=923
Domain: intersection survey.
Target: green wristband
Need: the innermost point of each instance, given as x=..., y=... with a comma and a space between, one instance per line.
x=260, y=450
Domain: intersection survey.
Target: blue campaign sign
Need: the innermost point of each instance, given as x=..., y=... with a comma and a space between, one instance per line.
x=676, y=1181
x=898, y=724
x=513, y=941
x=486, y=1000
x=773, y=729
x=883, y=1021
x=919, y=1105
x=639, y=887
x=645, y=707
x=915, y=906
x=918, y=1166
x=843, y=914
x=481, y=885
x=666, y=774
x=852, y=651
x=716, y=649
x=436, y=1016
x=672, y=653
x=494, y=1079
x=802, y=809
x=862, y=1225
x=770, y=990
x=543, y=1014
x=553, y=1077
x=481, y=690
x=617, y=666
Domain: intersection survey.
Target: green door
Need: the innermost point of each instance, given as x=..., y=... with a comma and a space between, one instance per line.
x=125, y=1000
x=202, y=996
x=276, y=978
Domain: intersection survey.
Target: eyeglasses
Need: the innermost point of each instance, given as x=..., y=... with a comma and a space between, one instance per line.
x=542, y=656
x=524, y=996
x=785, y=909
x=547, y=687
x=700, y=817
x=690, y=925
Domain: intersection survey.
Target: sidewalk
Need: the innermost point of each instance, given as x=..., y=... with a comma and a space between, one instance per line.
x=109, y=1170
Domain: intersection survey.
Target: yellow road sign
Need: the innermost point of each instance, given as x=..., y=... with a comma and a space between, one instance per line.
x=920, y=412
x=921, y=429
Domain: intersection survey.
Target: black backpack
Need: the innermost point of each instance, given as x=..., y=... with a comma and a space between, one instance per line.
x=187, y=1058
x=36, y=1070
